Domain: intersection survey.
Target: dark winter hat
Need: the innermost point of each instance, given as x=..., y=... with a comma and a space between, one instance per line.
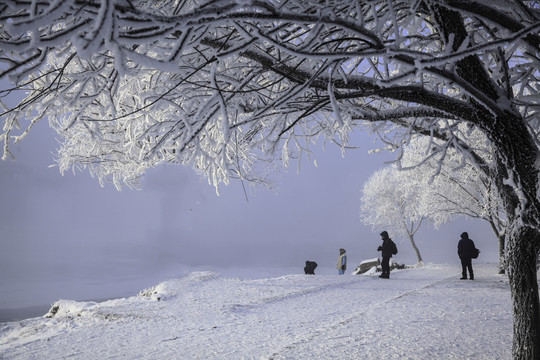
x=464, y=235
x=384, y=234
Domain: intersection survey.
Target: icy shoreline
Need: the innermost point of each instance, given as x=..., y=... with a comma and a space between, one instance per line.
x=29, y=312
x=111, y=289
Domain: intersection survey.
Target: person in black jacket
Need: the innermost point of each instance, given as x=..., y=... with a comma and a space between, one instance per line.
x=386, y=251
x=465, y=250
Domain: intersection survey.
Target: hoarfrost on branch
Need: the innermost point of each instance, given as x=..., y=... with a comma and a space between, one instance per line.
x=223, y=85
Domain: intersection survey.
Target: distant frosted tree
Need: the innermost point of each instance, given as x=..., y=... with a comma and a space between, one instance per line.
x=454, y=187
x=432, y=188
x=391, y=202
x=232, y=87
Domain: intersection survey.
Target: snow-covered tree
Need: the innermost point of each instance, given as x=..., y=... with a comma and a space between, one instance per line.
x=453, y=187
x=231, y=86
x=390, y=201
x=431, y=191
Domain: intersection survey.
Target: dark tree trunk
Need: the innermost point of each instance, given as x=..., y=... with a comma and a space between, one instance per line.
x=516, y=154
x=501, y=238
x=522, y=247
x=502, y=255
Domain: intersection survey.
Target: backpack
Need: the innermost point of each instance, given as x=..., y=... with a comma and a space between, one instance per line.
x=475, y=253
x=394, y=247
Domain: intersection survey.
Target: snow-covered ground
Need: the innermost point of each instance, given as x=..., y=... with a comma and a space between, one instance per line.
x=422, y=313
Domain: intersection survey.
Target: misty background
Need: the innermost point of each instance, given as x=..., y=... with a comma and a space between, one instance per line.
x=65, y=237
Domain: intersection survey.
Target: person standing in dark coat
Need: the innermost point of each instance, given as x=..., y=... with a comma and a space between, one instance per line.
x=466, y=250
x=386, y=250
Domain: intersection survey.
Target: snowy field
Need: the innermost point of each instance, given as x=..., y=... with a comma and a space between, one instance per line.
x=422, y=313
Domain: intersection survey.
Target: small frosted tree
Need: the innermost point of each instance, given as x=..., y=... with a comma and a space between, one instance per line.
x=392, y=202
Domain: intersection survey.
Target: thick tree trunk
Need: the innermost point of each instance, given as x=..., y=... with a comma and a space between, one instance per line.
x=522, y=247
x=516, y=154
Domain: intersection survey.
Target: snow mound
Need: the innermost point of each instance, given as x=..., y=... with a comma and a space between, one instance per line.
x=170, y=289
x=162, y=291
x=69, y=308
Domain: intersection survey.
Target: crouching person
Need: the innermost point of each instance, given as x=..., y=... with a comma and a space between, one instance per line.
x=310, y=267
